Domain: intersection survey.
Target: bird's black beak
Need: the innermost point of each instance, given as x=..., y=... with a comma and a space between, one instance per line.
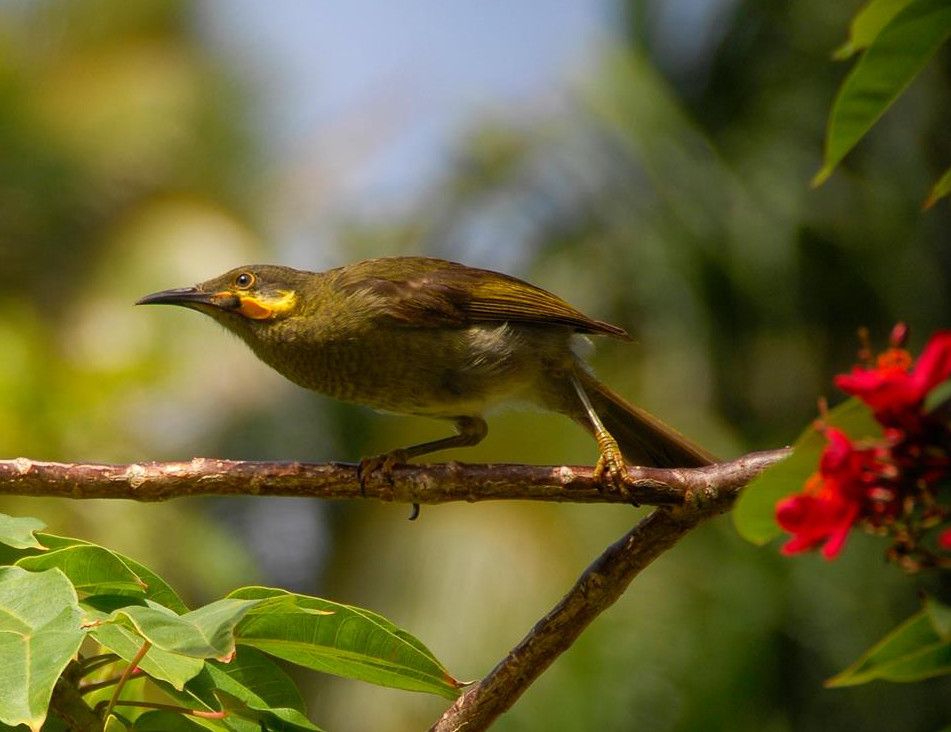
x=190, y=297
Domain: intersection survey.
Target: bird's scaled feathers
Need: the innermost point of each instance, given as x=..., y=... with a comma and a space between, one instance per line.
x=434, y=293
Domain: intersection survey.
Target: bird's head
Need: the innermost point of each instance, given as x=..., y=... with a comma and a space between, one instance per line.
x=246, y=297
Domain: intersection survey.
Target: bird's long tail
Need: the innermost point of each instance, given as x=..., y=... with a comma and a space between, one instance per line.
x=644, y=440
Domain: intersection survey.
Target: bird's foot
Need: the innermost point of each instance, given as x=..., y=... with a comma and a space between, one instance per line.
x=381, y=466
x=611, y=469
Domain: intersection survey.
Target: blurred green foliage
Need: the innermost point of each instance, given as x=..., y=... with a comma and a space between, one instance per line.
x=667, y=193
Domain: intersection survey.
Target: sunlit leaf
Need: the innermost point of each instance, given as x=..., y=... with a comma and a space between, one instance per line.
x=938, y=397
x=270, y=718
x=156, y=589
x=940, y=189
x=207, y=632
x=162, y=721
x=115, y=723
x=126, y=643
x=17, y=531
x=40, y=630
x=93, y=570
x=755, y=512
x=898, y=53
x=342, y=640
x=255, y=690
x=940, y=616
x=867, y=24
x=913, y=651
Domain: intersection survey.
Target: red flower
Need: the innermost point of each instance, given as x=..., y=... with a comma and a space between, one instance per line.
x=944, y=540
x=892, y=388
x=814, y=519
x=833, y=498
x=896, y=482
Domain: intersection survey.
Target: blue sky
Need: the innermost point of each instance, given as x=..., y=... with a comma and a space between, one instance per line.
x=398, y=80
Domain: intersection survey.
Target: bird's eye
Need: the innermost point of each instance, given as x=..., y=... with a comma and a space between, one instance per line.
x=244, y=280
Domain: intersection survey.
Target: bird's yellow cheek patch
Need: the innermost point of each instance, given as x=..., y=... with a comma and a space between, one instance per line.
x=263, y=308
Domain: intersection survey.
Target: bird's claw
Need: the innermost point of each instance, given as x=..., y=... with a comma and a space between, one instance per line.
x=610, y=472
x=382, y=466
x=379, y=465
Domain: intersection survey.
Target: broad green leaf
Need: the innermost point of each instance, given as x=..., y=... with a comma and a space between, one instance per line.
x=940, y=616
x=898, y=53
x=256, y=680
x=938, y=397
x=271, y=718
x=755, y=512
x=940, y=189
x=162, y=721
x=156, y=589
x=251, y=685
x=867, y=24
x=40, y=631
x=911, y=652
x=207, y=632
x=115, y=723
x=17, y=532
x=342, y=640
x=92, y=569
x=157, y=663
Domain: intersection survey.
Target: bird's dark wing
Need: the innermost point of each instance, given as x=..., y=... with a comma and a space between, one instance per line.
x=423, y=292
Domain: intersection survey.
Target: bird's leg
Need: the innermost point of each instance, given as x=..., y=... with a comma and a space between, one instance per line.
x=469, y=431
x=611, y=468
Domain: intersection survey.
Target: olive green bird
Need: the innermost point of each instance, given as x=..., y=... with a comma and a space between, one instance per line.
x=415, y=335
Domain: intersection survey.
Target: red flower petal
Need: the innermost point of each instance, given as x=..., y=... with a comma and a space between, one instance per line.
x=934, y=364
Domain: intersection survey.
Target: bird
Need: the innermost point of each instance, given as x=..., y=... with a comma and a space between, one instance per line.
x=425, y=336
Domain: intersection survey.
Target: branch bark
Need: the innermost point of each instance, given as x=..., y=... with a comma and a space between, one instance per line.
x=424, y=484
x=710, y=491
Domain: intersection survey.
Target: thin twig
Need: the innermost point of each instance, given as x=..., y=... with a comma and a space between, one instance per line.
x=126, y=675
x=94, y=663
x=712, y=490
x=105, y=684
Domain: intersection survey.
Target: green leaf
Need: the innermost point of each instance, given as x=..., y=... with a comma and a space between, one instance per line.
x=938, y=397
x=40, y=631
x=279, y=718
x=940, y=616
x=162, y=721
x=115, y=724
x=92, y=569
x=897, y=54
x=252, y=687
x=940, y=189
x=755, y=512
x=18, y=531
x=157, y=663
x=867, y=24
x=254, y=681
x=342, y=640
x=156, y=589
x=207, y=632
x=913, y=651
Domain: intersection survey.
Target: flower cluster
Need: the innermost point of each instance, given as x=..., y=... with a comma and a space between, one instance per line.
x=890, y=484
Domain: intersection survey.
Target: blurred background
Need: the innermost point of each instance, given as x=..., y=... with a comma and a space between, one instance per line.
x=649, y=161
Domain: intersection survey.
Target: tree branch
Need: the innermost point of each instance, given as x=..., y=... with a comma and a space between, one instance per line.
x=686, y=496
x=710, y=491
x=425, y=484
